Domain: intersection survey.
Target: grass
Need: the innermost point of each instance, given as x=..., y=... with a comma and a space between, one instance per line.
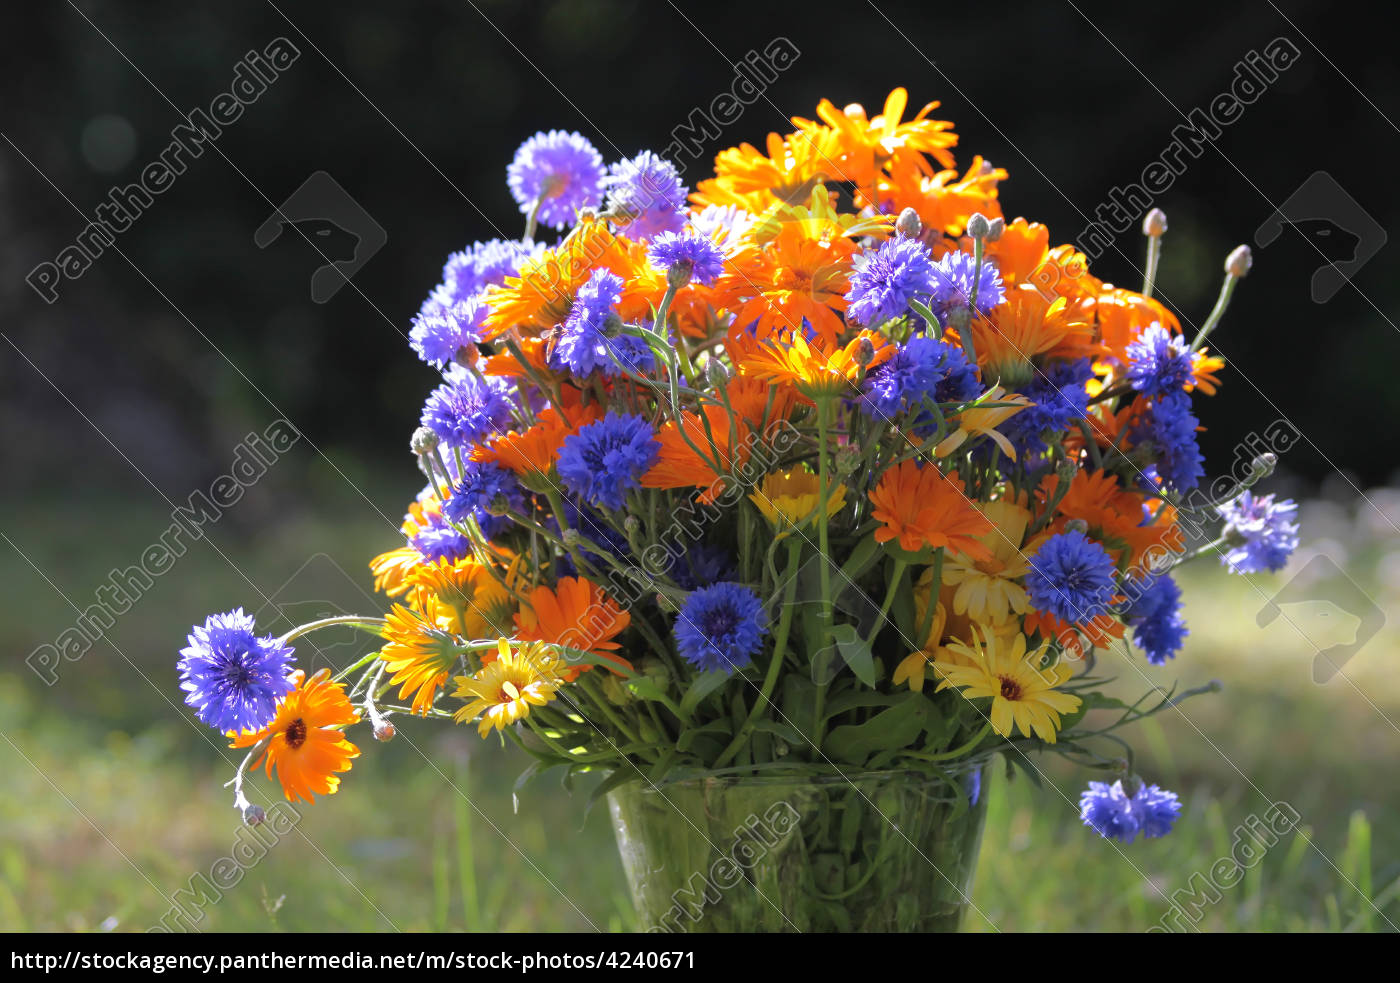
x=113, y=800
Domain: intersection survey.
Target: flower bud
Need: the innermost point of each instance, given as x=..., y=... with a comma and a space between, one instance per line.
x=384, y=731
x=908, y=223
x=1263, y=465
x=1154, y=223
x=678, y=275
x=612, y=324
x=997, y=227
x=1238, y=263
x=847, y=459
x=423, y=441
x=570, y=538
x=632, y=525
x=254, y=815
x=978, y=226
x=717, y=373
x=1077, y=525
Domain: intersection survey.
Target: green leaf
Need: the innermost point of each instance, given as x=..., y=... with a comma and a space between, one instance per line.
x=705, y=684
x=645, y=688
x=866, y=552
x=895, y=727
x=619, y=777
x=688, y=737
x=855, y=652
x=787, y=732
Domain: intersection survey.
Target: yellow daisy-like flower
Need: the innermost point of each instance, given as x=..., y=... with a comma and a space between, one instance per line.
x=1023, y=694
x=982, y=420
x=508, y=686
x=986, y=590
x=790, y=499
x=465, y=598
x=419, y=653
x=816, y=370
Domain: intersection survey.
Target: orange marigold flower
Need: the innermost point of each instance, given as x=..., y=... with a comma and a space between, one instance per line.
x=679, y=466
x=541, y=295
x=506, y=364
x=868, y=145
x=1026, y=325
x=419, y=653
x=305, y=743
x=1122, y=315
x=793, y=166
x=535, y=449
x=577, y=614
x=922, y=507
x=793, y=276
x=817, y=369
x=944, y=201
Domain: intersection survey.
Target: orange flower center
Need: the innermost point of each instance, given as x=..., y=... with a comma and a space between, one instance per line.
x=786, y=278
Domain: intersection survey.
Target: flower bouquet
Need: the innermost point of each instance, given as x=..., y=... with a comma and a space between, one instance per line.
x=783, y=505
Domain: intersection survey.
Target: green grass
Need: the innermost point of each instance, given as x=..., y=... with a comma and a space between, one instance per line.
x=113, y=800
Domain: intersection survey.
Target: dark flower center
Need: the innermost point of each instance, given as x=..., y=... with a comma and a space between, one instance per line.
x=296, y=734
x=1010, y=689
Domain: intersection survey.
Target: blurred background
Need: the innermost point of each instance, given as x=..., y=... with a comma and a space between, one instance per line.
x=130, y=379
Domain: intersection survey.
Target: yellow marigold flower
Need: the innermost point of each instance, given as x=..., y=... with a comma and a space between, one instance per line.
x=986, y=589
x=1026, y=325
x=419, y=654
x=305, y=742
x=508, y=686
x=464, y=598
x=815, y=369
x=790, y=499
x=793, y=166
x=869, y=145
x=1023, y=694
x=983, y=420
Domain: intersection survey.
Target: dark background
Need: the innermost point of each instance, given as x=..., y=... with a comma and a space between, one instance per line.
x=415, y=109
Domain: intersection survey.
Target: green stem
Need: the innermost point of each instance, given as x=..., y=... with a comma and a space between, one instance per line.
x=1154, y=256
x=780, y=640
x=824, y=559
x=899, y=567
x=1217, y=312
x=369, y=624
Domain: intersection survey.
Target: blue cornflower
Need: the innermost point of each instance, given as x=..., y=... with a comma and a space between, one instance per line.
x=606, y=459
x=583, y=345
x=480, y=265
x=434, y=538
x=721, y=627
x=1260, y=532
x=1155, y=617
x=697, y=253
x=465, y=409
x=1060, y=397
x=953, y=277
x=1169, y=427
x=897, y=273
x=482, y=484
x=231, y=677
x=914, y=373
x=438, y=335
x=1159, y=362
x=647, y=195
x=962, y=384
x=1114, y=814
x=561, y=170
x=702, y=565
x=1071, y=576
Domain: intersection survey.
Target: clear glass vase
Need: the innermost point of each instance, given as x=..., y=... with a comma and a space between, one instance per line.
x=871, y=852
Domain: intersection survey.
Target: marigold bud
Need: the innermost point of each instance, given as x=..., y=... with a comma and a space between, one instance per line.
x=1154, y=223
x=908, y=224
x=978, y=226
x=423, y=441
x=1239, y=262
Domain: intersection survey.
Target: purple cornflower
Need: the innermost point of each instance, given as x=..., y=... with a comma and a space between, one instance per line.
x=915, y=372
x=466, y=409
x=647, y=195
x=583, y=345
x=1260, y=532
x=562, y=171
x=1169, y=428
x=438, y=335
x=1071, y=576
x=1116, y=815
x=1155, y=617
x=695, y=254
x=953, y=277
x=231, y=677
x=720, y=627
x=606, y=459
x=484, y=488
x=1159, y=362
x=898, y=272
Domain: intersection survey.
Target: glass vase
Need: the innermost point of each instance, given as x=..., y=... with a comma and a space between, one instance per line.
x=869, y=852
